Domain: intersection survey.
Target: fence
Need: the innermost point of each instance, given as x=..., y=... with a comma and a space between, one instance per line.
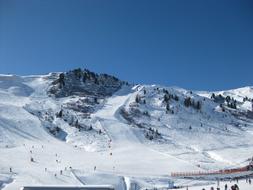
x=203, y=173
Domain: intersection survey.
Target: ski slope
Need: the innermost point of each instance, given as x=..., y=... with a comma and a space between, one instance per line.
x=121, y=155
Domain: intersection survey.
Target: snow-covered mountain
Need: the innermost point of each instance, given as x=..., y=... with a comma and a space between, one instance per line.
x=80, y=127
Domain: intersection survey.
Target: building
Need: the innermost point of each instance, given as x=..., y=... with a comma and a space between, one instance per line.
x=85, y=187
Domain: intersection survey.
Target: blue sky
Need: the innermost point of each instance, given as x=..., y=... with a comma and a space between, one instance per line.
x=204, y=44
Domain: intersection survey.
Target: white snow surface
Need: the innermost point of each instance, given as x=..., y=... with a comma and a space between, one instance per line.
x=121, y=156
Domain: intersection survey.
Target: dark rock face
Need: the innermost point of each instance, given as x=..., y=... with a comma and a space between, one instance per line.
x=84, y=83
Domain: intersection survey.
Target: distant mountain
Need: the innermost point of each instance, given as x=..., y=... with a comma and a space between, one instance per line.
x=94, y=119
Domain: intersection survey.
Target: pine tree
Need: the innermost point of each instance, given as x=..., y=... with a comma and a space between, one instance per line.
x=84, y=78
x=166, y=98
x=176, y=98
x=168, y=107
x=198, y=105
x=60, y=113
x=78, y=73
x=187, y=102
x=213, y=96
x=228, y=99
x=77, y=124
x=137, y=99
x=90, y=128
x=61, y=80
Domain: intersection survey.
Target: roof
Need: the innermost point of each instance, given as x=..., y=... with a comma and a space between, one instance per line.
x=55, y=187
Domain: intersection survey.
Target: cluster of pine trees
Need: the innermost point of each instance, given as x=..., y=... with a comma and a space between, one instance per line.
x=152, y=134
x=73, y=122
x=85, y=75
x=230, y=102
x=189, y=102
x=139, y=99
x=166, y=98
x=247, y=99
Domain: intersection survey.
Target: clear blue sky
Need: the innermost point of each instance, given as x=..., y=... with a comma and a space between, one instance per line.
x=204, y=45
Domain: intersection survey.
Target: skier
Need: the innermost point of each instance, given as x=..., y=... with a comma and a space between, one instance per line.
x=95, y=168
x=226, y=187
x=236, y=187
x=10, y=170
x=61, y=172
x=249, y=181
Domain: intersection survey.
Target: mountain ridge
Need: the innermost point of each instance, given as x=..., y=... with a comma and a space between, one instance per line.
x=125, y=130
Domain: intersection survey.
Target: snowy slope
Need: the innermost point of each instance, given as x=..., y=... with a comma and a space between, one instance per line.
x=99, y=138
x=238, y=94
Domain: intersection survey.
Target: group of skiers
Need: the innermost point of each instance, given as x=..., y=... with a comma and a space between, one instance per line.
x=248, y=180
x=233, y=187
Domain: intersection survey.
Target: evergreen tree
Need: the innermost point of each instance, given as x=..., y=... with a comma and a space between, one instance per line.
x=90, y=128
x=213, y=96
x=61, y=79
x=77, y=124
x=168, y=107
x=57, y=129
x=187, y=102
x=228, y=99
x=84, y=78
x=78, y=73
x=60, y=113
x=137, y=99
x=176, y=98
x=198, y=105
x=96, y=80
x=166, y=98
